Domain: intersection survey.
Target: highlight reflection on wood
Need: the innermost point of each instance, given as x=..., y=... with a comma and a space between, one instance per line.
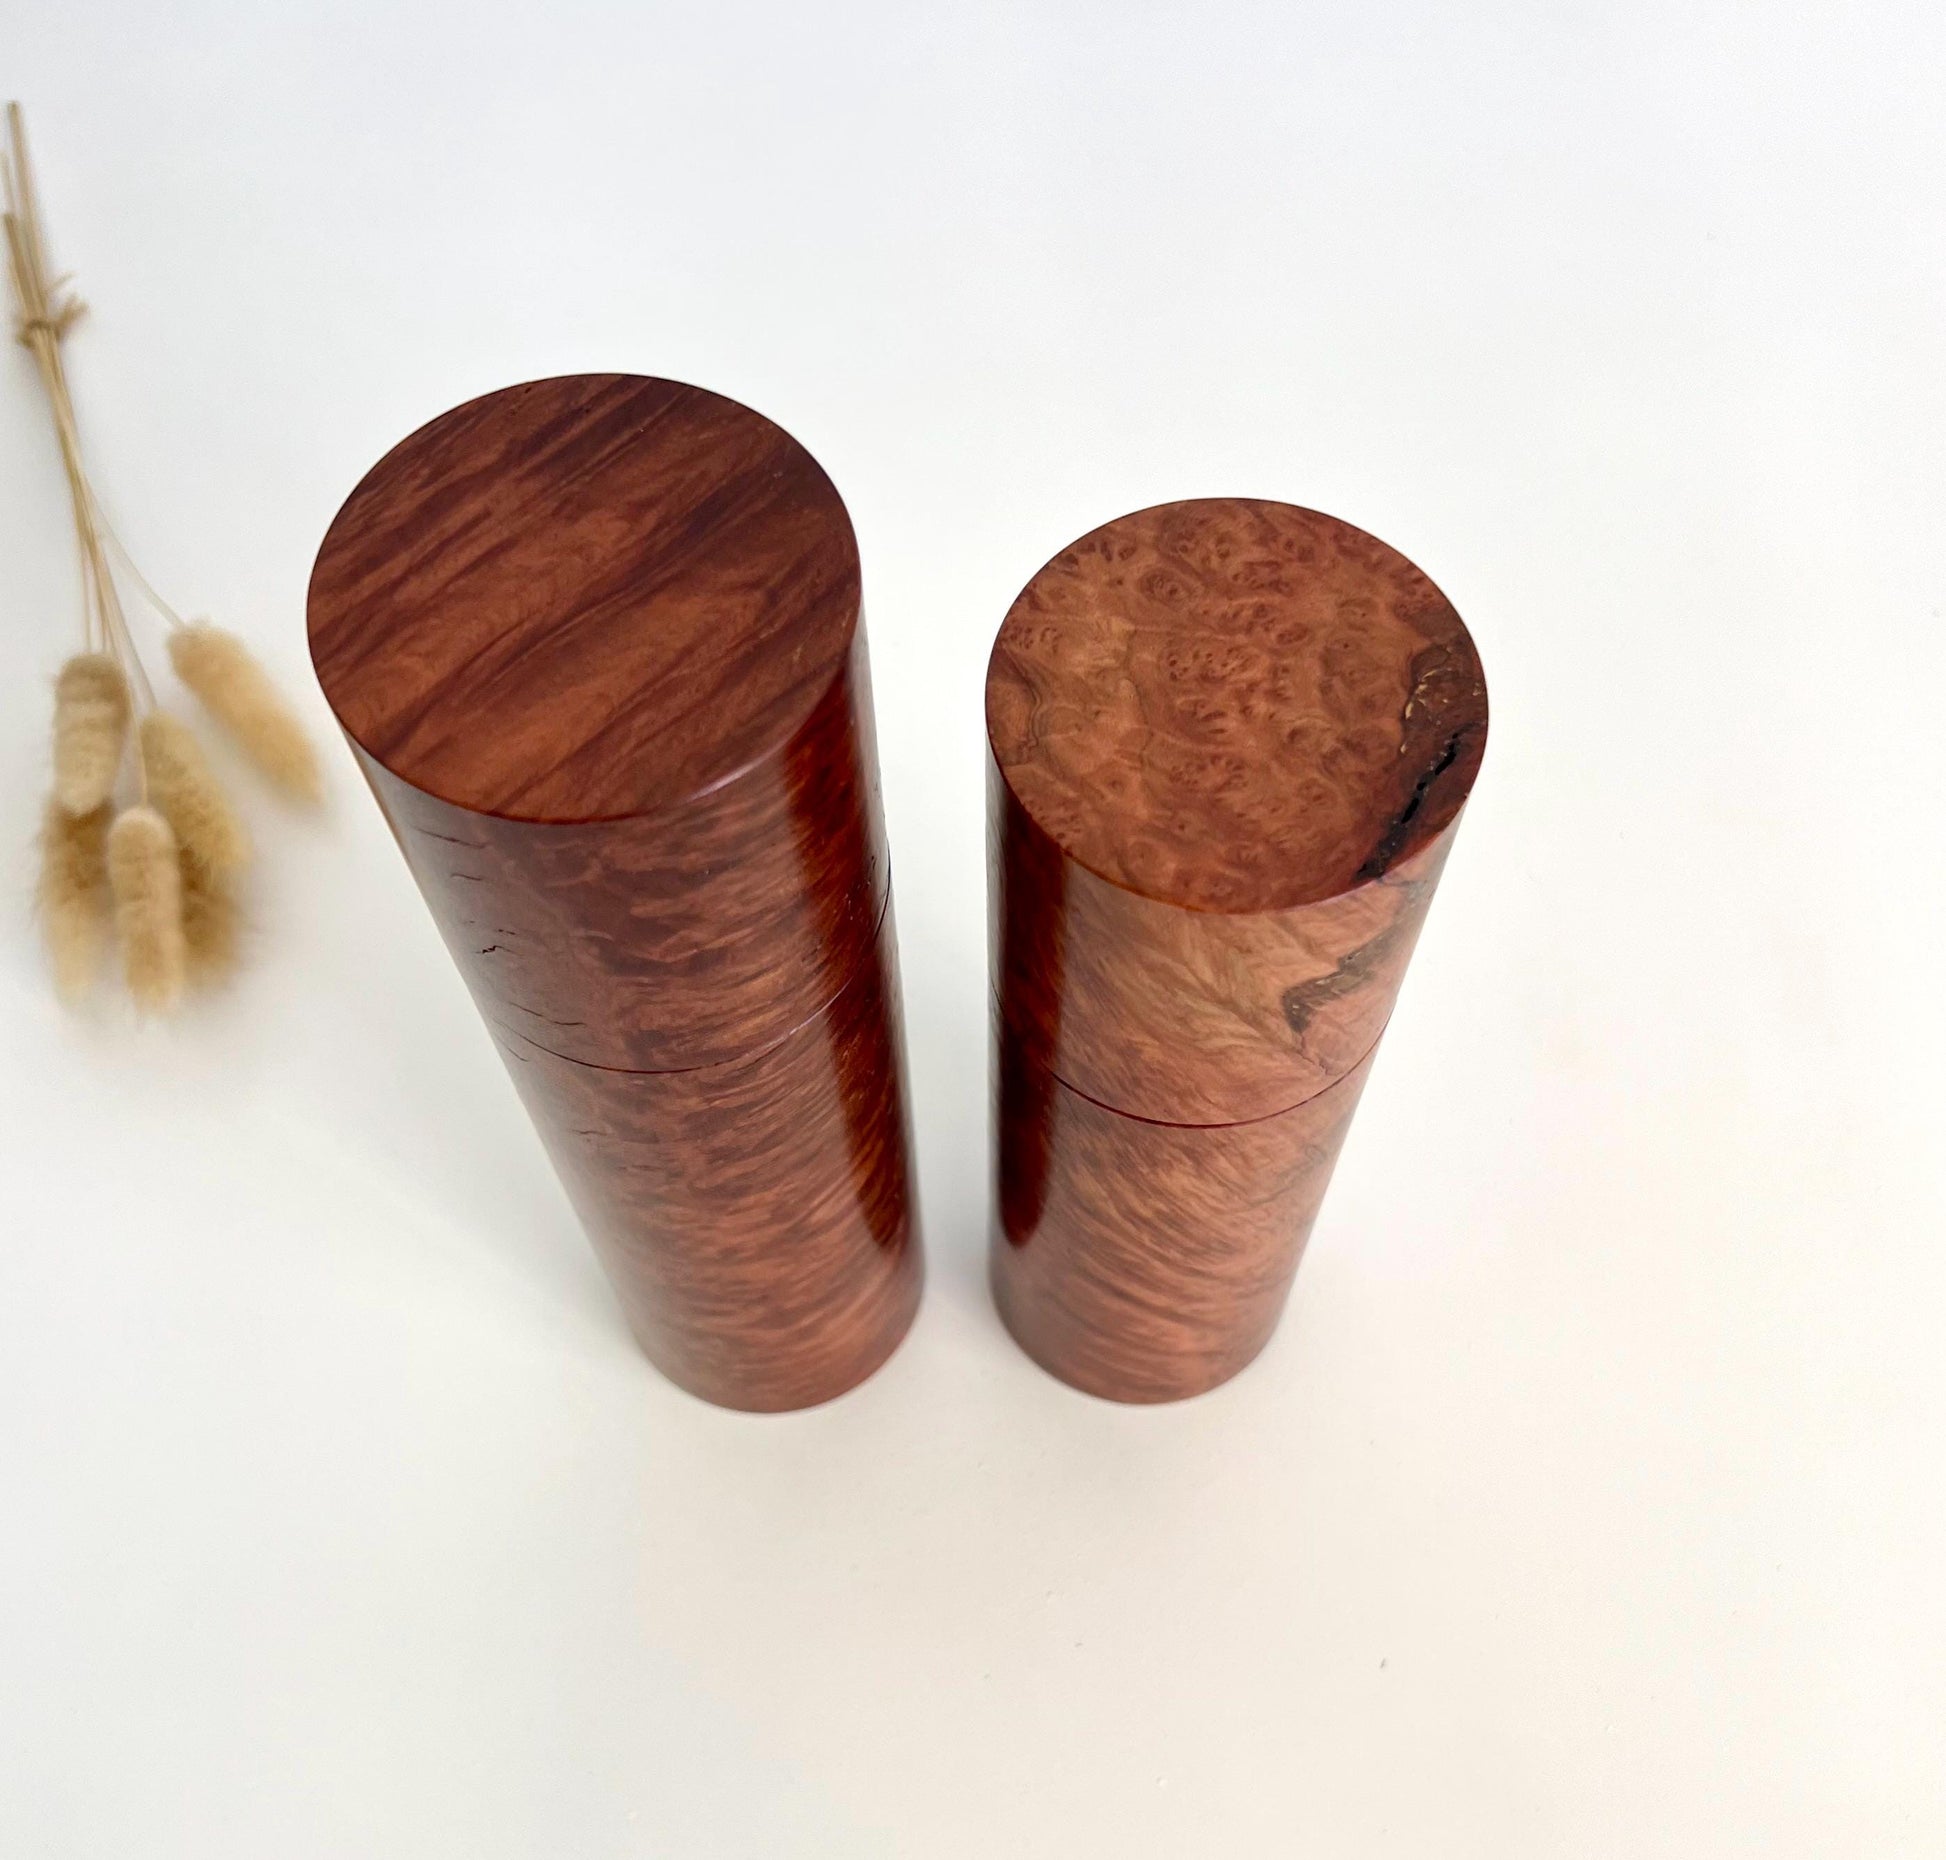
x=1230, y=741
x=1194, y=1017
x=755, y=1217
x=598, y=643
x=598, y=646
x=1149, y=1262
x=685, y=937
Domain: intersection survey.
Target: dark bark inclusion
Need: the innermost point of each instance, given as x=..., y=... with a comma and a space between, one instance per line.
x=1394, y=837
x=1356, y=968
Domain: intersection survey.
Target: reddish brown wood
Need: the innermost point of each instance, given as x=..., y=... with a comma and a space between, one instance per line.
x=756, y=1216
x=1193, y=1017
x=684, y=937
x=598, y=646
x=597, y=641
x=1230, y=742
x=1149, y=1262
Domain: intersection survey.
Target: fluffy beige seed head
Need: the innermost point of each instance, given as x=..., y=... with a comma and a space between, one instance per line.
x=182, y=785
x=211, y=922
x=90, y=728
x=144, y=874
x=219, y=668
x=73, y=895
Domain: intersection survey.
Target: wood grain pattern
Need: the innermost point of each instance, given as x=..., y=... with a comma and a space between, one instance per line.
x=756, y=1217
x=1150, y=1262
x=1236, y=706
x=683, y=937
x=1193, y=1017
x=1230, y=742
x=598, y=647
x=590, y=597
x=613, y=883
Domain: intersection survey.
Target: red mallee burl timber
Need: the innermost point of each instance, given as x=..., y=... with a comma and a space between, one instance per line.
x=598, y=646
x=1230, y=741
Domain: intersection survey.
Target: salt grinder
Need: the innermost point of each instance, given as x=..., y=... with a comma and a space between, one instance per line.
x=1230, y=741
x=598, y=647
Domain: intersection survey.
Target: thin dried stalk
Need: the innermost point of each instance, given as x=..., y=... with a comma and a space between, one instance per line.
x=220, y=669
x=46, y=312
x=181, y=783
x=91, y=706
x=165, y=863
x=73, y=894
x=145, y=875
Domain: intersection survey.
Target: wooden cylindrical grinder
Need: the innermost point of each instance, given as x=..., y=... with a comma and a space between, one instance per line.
x=1230, y=741
x=598, y=647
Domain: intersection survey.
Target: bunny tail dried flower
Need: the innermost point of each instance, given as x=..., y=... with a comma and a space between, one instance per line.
x=91, y=709
x=145, y=876
x=73, y=894
x=182, y=785
x=211, y=922
x=162, y=870
x=219, y=668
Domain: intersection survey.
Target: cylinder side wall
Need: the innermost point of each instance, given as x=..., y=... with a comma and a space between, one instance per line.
x=1148, y=1262
x=756, y=1218
x=1191, y=1017
x=685, y=938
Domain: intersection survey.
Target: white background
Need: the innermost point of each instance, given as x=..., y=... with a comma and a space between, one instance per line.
x=1589, y=1501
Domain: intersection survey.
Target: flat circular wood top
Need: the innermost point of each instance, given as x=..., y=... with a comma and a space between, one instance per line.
x=584, y=598
x=1236, y=706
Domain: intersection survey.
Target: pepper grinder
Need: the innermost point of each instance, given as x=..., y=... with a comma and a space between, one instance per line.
x=1229, y=744
x=598, y=647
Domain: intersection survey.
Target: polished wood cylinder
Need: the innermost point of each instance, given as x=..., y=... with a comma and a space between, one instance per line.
x=1229, y=745
x=597, y=644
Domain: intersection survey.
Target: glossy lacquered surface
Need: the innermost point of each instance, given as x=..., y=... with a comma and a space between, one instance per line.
x=598, y=647
x=1193, y=1017
x=756, y=1217
x=1149, y=1262
x=593, y=596
x=684, y=937
x=1229, y=745
x=597, y=642
x=1236, y=706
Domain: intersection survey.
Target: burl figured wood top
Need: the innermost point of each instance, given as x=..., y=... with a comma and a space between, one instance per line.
x=584, y=598
x=1231, y=705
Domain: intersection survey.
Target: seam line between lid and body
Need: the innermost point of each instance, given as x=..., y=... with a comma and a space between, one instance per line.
x=1178, y=1123
x=736, y=1059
